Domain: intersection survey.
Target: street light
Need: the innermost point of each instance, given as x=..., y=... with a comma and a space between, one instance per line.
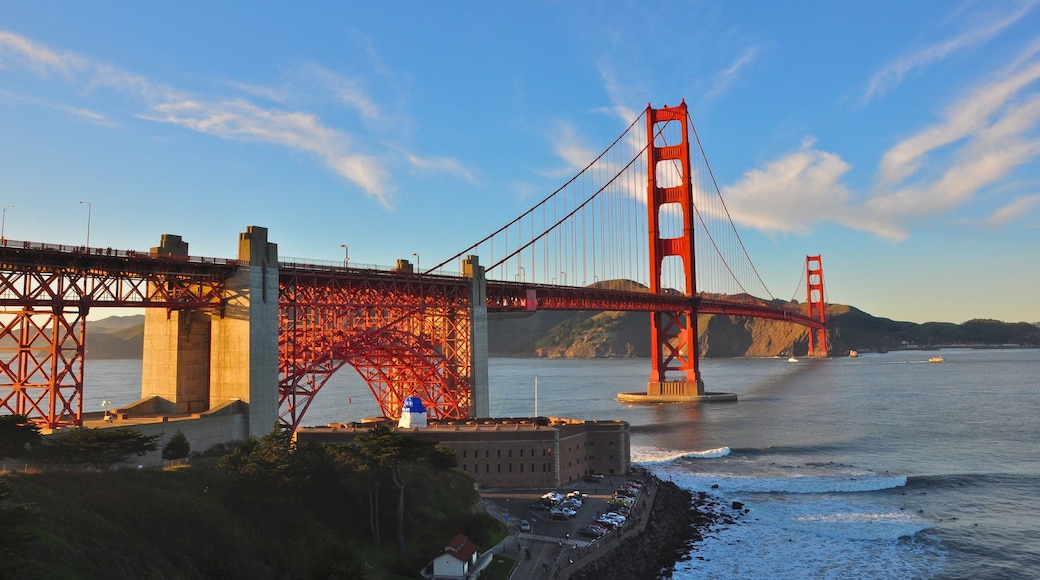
x=346, y=255
x=3, y=224
x=89, y=208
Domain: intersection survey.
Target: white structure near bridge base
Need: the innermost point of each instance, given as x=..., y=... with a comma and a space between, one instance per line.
x=413, y=414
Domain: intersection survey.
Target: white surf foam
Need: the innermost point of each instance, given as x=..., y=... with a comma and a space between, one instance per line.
x=653, y=456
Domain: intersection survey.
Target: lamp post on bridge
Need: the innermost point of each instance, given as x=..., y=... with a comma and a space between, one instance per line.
x=418, y=270
x=3, y=224
x=89, y=208
x=346, y=255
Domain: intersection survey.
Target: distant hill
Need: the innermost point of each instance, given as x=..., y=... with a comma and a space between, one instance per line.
x=589, y=334
x=116, y=337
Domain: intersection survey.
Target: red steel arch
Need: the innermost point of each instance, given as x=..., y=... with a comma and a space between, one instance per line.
x=406, y=334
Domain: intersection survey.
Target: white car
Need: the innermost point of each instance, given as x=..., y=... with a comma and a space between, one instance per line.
x=563, y=511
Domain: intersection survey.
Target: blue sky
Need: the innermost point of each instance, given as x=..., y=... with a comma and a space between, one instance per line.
x=899, y=140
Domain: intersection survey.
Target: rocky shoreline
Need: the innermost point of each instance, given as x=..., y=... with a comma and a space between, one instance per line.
x=678, y=520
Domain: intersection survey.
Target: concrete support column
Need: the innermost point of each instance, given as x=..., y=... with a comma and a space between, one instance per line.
x=175, y=365
x=480, y=406
x=244, y=354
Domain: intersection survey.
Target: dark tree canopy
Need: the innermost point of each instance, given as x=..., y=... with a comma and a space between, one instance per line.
x=18, y=434
x=177, y=448
x=99, y=446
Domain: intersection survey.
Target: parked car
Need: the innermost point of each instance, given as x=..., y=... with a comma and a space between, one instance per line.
x=563, y=510
x=594, y=477
x=573, y=503
x=591, y=531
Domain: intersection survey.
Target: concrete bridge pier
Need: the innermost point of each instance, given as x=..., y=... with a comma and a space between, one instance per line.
x=198, y=361
x=480, y=406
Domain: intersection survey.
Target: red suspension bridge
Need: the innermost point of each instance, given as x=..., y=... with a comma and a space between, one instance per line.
x=643, y=228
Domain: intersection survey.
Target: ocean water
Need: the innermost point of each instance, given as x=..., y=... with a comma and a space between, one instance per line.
x=881, y=466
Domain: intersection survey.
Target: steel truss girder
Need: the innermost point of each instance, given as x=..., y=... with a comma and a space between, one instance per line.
x=405, y=334
x=42, y=363
x=40, y=275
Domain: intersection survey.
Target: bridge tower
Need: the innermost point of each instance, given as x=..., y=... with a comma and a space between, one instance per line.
x=814, y=302
x=673, y=335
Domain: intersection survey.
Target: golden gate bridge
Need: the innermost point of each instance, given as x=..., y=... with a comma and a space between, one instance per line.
x=643, y=227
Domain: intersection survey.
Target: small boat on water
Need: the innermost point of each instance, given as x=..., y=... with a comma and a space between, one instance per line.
x=937, y=359
x=853, y=354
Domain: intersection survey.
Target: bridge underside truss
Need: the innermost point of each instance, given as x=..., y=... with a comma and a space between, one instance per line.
x=46, y=292
x=405, y=335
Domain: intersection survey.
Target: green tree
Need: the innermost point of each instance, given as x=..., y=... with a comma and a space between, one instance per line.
x=17, y=435
x=265, y=458
x=99, y=446
x=177, y=448
x=385, y=451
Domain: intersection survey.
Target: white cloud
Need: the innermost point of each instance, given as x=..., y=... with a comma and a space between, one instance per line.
x=234, y=119
x=965, y=118
x=1014, y=210
x=893, y=73
x=442, y=164
x=42, y=60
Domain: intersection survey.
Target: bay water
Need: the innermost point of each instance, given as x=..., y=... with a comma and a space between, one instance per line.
x=880, y=466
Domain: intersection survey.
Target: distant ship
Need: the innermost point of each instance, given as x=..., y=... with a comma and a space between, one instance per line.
x=853, y=354
x=937, y=359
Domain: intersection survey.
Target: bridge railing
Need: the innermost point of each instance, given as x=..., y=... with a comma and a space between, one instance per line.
x=342, y=265
x=111, y=252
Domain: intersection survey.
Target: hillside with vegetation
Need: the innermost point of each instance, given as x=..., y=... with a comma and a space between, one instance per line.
x=263, y=509
x=594, y=334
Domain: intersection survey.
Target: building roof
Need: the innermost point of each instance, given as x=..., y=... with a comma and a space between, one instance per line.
x=460, y=547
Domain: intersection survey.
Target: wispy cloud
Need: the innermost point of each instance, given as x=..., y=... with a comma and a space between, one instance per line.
x=981, y=139
x=894, y=73
x=440, y=164
x=1013, y=211
x=15, y=49
x=229, y=118
x=726, y=77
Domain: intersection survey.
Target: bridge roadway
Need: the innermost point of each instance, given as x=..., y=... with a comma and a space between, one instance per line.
x=103, y=277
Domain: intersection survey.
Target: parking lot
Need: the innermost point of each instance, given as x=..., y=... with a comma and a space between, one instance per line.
x=550, y=537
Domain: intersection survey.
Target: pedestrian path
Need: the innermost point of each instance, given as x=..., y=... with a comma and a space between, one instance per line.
x=555, y=540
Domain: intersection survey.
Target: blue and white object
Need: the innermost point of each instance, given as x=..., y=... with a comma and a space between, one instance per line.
x=413, y=414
